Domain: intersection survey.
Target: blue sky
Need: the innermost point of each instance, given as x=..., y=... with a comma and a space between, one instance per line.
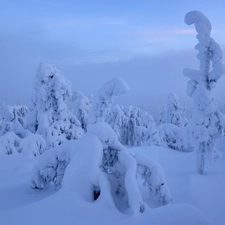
x=76, y=34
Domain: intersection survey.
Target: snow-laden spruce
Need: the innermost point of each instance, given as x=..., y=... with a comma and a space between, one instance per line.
x=81, y=105
x=105, y=98
x=102, y=168
x=50, y=116
x=173, y=113
x=133, y=126
x=207, y=122
x=14, y=137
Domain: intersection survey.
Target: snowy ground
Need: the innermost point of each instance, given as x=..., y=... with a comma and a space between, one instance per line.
x=196, y=199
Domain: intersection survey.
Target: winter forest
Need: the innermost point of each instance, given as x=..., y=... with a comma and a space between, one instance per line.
x=71, y=158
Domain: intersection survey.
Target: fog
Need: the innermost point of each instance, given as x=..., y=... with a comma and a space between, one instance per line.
x=150, y=78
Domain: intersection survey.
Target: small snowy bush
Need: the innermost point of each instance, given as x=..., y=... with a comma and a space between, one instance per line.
x=173, y=137
x=14, y=137
x=51, y=166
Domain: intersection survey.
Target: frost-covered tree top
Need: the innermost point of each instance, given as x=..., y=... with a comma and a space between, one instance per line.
x=105, y=98
x=51, y=84
x=209, y=51
x=50, y=115
x=114, y=87
x=202, y=23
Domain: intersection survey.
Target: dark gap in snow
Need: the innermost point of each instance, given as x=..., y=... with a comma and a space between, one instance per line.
x=96, y=193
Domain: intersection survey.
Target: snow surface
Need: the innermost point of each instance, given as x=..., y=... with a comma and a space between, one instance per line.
x=197, y=199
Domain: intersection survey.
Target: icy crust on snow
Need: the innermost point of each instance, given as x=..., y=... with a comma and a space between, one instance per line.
x=105, y=98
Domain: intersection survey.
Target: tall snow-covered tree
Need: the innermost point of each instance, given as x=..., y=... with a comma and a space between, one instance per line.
x=207, y=122
x=105, y=98
x=50, y=116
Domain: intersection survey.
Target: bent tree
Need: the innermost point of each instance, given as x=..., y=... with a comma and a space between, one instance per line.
x=206, y=124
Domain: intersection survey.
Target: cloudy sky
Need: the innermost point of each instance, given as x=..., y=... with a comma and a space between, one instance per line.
x=146, y=42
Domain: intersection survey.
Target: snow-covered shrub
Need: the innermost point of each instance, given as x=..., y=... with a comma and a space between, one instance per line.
x=51, y=165
x=173, y=137
x=153, y=175
x=105, y=98
x=32, y=144
x=50, y=116
x=101, y=167
x=14, y=137
x=13, y=119
x=207, y=122
x=9, y=143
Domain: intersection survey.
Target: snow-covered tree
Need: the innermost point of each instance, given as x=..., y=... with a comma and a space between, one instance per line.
x=105, y=98
x=151, y=134
x=118, y=121
x=173, y=112
x=101, y=167
x=14, y=137
x=81, y=105
x=133, y=126
x=50, y=116
x=135, y=133
x=207, y=121
x=13, y=119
